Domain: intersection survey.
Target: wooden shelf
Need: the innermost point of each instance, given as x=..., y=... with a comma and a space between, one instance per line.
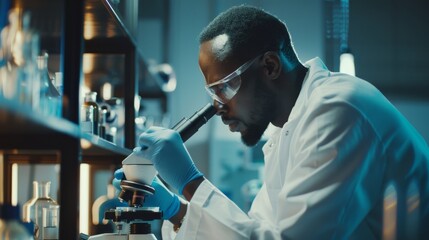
x=22, y=128
x=96, y=150
x=20, y=119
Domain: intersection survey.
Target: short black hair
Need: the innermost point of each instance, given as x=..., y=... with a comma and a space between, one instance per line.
x=251, y=31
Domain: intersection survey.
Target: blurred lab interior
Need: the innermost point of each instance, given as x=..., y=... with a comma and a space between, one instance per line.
x=80, y=80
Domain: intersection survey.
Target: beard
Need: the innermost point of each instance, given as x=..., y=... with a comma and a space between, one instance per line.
x=261, y=115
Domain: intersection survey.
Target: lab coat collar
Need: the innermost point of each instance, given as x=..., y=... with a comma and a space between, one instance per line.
x=316, y=70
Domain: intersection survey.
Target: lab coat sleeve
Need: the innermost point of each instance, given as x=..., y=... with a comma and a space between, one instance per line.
x=211, y=215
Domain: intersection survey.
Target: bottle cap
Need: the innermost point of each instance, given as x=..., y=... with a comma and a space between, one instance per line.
x=91, y=96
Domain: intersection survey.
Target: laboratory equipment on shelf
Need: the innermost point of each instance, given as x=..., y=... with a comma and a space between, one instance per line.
x=139, y=173
x=19, y=47
x=42, y=211
x=90, y=114
x=48, y=99
x=111, y=119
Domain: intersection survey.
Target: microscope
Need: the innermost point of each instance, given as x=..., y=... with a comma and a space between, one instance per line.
x=139, y=173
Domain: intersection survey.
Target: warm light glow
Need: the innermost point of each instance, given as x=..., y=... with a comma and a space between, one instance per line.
x=14, y=196
x=88, y=63
x=89, y=30
x=17, y=48
x=347, y=63
x=413, y=211
x=85, y=144
x=106, y=91
x=389, y=213
x=84, y=199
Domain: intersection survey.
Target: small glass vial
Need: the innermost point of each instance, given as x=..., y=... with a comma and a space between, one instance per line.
x=102, y=127
x=91, y=100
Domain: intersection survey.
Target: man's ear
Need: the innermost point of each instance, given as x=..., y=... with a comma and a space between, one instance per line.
x=272, y=64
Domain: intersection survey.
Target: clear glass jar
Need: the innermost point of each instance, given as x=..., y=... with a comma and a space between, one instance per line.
x=28, y=207
x=33, y=208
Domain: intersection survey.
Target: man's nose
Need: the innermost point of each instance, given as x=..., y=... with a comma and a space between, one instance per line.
x=221, y=108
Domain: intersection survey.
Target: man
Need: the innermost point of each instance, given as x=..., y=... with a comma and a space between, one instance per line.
x=337, y=145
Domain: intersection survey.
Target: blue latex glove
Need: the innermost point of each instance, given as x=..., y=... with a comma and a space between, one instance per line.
x=119, y=176
x=165, y=148
x=167, y=201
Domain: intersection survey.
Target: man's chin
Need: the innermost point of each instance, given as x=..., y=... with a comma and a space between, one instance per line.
x=251, y=138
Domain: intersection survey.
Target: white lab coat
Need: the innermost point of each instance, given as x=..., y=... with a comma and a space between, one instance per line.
x=326, y=171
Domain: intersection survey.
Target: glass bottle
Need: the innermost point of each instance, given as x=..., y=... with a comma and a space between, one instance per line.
x=87, y=119
x=19, y=47
x=28, y=207
x=43, y=201
x=91, y=100
x=59, y=86
x=41, y=98
x=29, y=50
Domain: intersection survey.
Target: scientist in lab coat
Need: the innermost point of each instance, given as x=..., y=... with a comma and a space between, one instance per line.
x=341, y=163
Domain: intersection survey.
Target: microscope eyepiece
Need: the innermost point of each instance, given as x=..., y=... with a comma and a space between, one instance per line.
x=189, y=126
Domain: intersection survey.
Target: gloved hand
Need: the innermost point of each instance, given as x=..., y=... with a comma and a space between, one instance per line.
x=119, y=176
x=165, y=148
x=167, y=201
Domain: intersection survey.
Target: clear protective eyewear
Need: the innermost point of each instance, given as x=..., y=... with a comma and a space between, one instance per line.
x=226, y=88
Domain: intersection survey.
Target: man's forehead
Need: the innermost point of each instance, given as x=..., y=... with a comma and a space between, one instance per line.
x=221, y=46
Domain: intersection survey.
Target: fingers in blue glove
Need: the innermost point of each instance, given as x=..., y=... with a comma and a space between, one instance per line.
x=167, y=201
x=117, y=184
x=169, y=156
x=119, y=175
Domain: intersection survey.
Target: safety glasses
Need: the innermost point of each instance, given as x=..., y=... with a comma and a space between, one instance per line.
x=226, y=88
